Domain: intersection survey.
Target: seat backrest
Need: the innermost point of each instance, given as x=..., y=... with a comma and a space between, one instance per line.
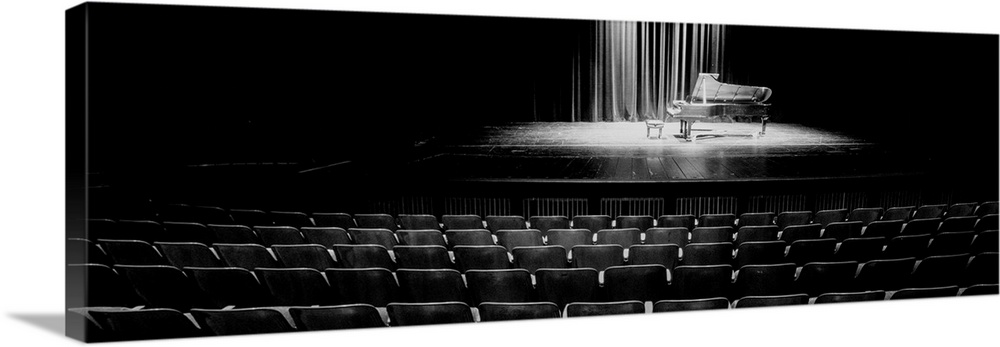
x=885, y=274
x=164, y=287
x=423, y=285
x=670, y=221
x=519, y=238
x=842, y=230
x=242, y=321
x=690, y=305
x=776, y=300
x=102, y=285
x=860, y=249
x=830, y=298
x=188, y=232
x=544, y=223
x=145, y=230
x=756, y=233
x=363, y=256
x=951, y=243
x=982, y=269
x=707, y=254
x=701, y=281
x=884, y=228
x=297, y=286
x=231, y=286
x=755, y=219
x=279, y=235
x=423, y=257
x=83, y=251
x=585, y=309
x=234, y=234
x=104, y=229
x=987, y=222
x=132, y=252
x=953, y=224
x=865, y=215
x=250, y=218
x=537, y=257
x=377, y=236
x=291, y=219
x=563, y=286
x=929, y=211
x=639, y=222
x=496, y=223
x=762, y=280
x=184, y=254
x=421, y=238
x=501, y=311
x=921, y=226
x=961, y=209
x=375, y=221
x=153, y=323
x=907, y=246
x=622, y=237
x=636, y=282
x=373, y=286
x=352, y=316
x=794, y=233
x=981, y=289
x=921, y=293
x=510, y=285
x=826, y=277
x=597, y=257
x=987, y=208
x=666, y=255
x=593, y=223
x=334, y=219
x=805, y=251
x=986, y=241
x=759, y=253
x=481, y=257
x=326, y=236
x=902, y=213
x=825, y=217
x=418, y=222
x=939, y=271
x=717, y=220
x=469, y=237
x=247, y=256
x=569, y=237
x=790, y=218
x=406, y=314
x=308, y=256
x=672, y=235
x=462, y=222
x=712, y=234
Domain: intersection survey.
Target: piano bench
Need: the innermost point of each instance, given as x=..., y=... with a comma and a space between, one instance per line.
x=654, y=124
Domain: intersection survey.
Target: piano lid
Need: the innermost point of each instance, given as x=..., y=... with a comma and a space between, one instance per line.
x=718, y=92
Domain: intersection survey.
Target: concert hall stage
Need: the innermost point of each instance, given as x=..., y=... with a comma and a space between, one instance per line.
x=621, y=152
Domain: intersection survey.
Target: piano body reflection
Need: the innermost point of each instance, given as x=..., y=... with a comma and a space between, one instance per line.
x=713, y=99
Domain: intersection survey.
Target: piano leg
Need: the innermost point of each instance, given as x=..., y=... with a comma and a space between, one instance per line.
x=683, y=122
x=763, y=124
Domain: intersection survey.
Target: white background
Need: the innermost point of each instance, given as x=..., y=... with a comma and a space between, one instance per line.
x=32, y=189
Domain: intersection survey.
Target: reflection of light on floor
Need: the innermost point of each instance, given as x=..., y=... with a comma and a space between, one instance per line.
x=633, y=134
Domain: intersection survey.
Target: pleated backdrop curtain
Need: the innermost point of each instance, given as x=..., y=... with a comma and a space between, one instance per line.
x=633, y=71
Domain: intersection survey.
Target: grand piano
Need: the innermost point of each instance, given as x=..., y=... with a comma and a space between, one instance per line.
x=713, y=99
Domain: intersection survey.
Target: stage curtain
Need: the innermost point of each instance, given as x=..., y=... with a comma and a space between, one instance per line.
x=632, y=71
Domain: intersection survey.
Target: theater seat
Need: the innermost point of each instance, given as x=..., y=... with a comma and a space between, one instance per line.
x=154, y=323
x=585, y=309
x=767, y=301
x=690, y=305
x=502, y=311
x=406, y=314
x=353, y=316
x=242, y=321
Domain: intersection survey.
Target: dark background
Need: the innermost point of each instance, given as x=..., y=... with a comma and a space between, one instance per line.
x=268, y=93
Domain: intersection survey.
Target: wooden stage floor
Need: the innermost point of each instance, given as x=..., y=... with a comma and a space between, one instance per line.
x=620, y=152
